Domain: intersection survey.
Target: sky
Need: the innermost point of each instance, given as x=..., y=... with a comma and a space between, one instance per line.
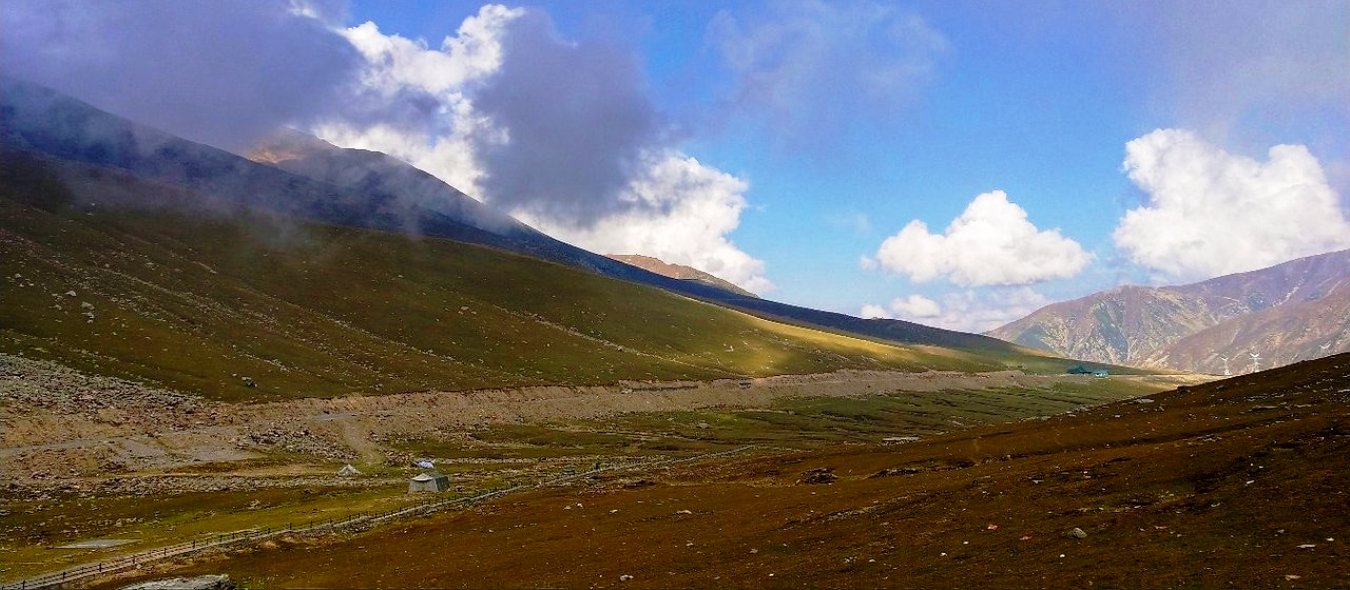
x=956, y=163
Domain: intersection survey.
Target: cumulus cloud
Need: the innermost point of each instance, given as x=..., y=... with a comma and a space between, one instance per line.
x=414, y=99
x=966, y=311
x=915, y=307
x=808, y=68
x=1209, y=212
x=687, y=209
x=991, y=243
x=559, y=133
x=223, y=73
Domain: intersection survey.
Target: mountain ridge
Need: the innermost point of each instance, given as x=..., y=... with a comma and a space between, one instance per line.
x=1292, y=311
x=679, y=271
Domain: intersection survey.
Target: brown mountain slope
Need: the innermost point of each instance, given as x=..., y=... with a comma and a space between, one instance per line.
x=678, y=271
x=1292, y=311
x=1281, y=335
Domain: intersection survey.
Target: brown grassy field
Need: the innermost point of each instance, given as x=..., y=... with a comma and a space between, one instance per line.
x=205, y=483
x=1237, y=483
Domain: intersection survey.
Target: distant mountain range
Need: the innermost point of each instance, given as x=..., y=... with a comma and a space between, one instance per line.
x=1294, y=311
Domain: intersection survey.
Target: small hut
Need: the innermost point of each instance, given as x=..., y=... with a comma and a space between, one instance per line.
x=430, y=481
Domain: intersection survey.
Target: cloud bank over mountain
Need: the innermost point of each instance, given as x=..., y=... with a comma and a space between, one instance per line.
x=1210, y=212
x=560, y=133
x=222, y=73
x=969, y=310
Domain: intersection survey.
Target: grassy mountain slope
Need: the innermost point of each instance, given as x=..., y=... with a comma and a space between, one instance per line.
x=1292, y=311
x=197, y=303
x=359, y=188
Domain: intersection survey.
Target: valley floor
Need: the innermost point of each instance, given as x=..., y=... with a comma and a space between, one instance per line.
x=61, y=423
x=1238, y=483
x=88, y=457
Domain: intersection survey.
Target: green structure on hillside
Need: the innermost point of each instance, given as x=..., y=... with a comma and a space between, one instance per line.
x=1080, y=369
x=430, y=481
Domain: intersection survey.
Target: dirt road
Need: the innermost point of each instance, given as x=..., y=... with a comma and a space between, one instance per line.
x=62, y=423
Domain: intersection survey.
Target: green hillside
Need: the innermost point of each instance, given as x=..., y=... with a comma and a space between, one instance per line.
x=199, y=303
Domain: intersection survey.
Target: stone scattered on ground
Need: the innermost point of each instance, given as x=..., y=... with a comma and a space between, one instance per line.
x=894, y=471
x=209, y=582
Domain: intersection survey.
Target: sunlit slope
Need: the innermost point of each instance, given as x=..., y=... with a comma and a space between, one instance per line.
x=200, y=303
x=309, y=179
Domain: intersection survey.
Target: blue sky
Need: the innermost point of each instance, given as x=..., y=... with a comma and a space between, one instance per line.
x=1037, y=99
x=957, y=163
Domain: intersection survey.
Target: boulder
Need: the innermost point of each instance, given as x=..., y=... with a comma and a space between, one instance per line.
x=819, y=476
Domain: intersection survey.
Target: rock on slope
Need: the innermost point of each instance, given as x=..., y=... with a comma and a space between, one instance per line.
x=1292, y=311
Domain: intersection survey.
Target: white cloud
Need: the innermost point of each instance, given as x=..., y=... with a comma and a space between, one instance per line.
x=915, y=307
x=991, y=243
x=446, y=129
x=966, y=311
x=1211, y=213
x=872, y=311
x=689, y=209
x=670, y=206
x=472, y=54
x=979, y=312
